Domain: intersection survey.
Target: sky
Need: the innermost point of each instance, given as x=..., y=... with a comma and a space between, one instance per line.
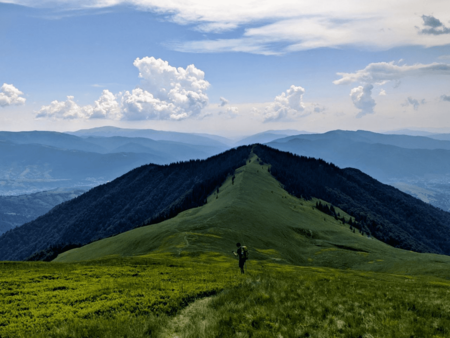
x=230, y=68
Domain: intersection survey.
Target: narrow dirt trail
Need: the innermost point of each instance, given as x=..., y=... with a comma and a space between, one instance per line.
x=192, y=316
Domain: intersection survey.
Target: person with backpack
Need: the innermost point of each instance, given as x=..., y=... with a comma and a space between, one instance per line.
x=242, y=253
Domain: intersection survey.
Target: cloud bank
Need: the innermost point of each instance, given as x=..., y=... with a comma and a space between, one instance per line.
x=230, y=112
x=10, y=95
x=165, y=93
x=299, y=25
x=380, y=72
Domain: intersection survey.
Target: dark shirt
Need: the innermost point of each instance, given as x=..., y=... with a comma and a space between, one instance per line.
x=240, y=253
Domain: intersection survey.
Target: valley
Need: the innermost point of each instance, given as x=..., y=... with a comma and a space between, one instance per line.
x=18, y=210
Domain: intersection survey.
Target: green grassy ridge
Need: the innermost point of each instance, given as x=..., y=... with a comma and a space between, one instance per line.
x=255, y=210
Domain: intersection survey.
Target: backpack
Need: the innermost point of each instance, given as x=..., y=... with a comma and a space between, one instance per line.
x=244, y=250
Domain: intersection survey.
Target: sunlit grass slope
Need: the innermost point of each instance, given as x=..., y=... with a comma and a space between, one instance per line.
x=155, y=296
x=255, y=210
x=36, y=297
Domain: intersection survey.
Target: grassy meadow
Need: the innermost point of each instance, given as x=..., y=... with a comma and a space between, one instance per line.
x=308, y=275
x=35, y=297
x=163, y=296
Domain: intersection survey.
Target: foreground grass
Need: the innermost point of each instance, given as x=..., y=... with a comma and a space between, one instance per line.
x=150, y=297
x=327, y=303
x=36, y=297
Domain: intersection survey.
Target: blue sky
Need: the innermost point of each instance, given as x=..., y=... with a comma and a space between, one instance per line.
x=276, y=65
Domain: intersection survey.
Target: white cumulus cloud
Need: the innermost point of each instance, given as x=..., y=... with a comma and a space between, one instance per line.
x=68, y=109
x=10, y=95
x=362, y=99
x=165, y=93
x=181, y=92
x=139, y=104
x=286, y=106
x=106, y=107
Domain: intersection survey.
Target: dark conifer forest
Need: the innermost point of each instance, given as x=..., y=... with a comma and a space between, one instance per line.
x=380, y=210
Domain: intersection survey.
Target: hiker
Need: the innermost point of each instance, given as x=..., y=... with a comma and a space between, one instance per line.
x=242, y=253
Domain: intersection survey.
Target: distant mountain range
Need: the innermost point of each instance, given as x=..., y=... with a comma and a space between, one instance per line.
x=40, y=160
x=18, y=210
x=385, y=157
x=444, y=137
x=157, y=135
x=437, y=136
x=402, y=141
x=50, y=138
x=151, y=194
x=269, y=136
x=33, y=167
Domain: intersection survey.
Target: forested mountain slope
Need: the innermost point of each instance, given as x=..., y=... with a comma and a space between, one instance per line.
x=387, y=213
x=122, y=204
